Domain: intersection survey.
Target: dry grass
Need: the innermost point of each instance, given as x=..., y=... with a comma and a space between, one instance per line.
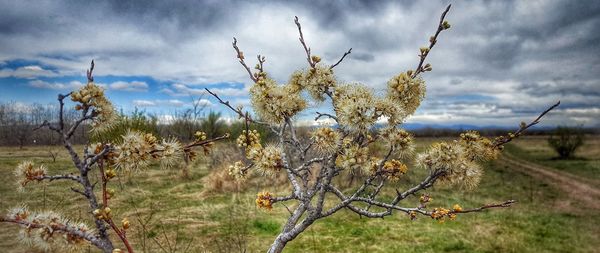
x=211, y=213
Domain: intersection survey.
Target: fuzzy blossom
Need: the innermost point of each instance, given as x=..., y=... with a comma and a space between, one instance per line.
x=452, y=160
x=354, y=106
x=400, y=139
x=274, y=103
x=92, y=96
x=27, y=172
x=390, y=109
x=441, y=156
x=269, y=160
x=136, y=151
x=236, y=171
x=393, y=169
x=466, y=174
x=46, y=230
x=264, y=200
x=476, y=147
x=372, y=166
x=407, y=91
x=353, y=157
x=316, y=81
x=325, y=140
x=457, y=208
x=171, y=152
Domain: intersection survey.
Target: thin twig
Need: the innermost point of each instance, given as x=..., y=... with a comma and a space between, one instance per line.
x=432, y=42
x=341, y=59
x=505, y=139
x=306, y=48
x=240, y=55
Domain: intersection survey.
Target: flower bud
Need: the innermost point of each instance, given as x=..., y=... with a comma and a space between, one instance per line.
x=315, y=59
x=125, y=223
x=110, y=193
x=427, y=67
x=110, y=173
x=445, y=25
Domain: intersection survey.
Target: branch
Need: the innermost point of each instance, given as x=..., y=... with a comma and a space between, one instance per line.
x=72, y=230
x=319, y=115
x=343, y=56
x=282, y=199
x=83, y=118
x=306, y=48
x=98, y=156
x=488, y=206
x=59, y=177
x=47, y=124
x=426, y=183
x=204, y=142
x=90, y=77
x=79, y=191
x=237, y=111
x=503, y=140
x=240, y=55
x=432, y=42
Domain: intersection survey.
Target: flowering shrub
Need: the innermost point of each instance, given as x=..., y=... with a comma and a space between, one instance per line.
x=48, y=230
x=312, y=164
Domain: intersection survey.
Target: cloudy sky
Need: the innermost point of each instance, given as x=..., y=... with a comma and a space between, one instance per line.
x=500, y=63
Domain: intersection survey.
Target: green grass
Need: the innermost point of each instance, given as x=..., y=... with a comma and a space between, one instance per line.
x=218, y=222
x=585, y=163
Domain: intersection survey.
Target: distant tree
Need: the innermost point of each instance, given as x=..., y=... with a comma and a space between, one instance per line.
x=566, y=140
x=213, y=125
x=136, y=121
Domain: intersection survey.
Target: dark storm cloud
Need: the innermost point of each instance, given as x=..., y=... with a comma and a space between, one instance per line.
x=524, y=54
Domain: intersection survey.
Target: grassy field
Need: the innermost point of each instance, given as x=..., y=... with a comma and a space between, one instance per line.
x=585, y=163
x=173, y=214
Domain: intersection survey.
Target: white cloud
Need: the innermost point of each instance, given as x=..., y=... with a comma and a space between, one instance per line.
x=56, y=85
x=169, y=102
x=143, y=103
x=491, y=60
x=129, y=86
x=28, y=72
x=181, y=90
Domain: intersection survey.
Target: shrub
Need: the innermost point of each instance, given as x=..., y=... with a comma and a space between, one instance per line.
x=565, y=141
x=312, y=164
x=49, y=230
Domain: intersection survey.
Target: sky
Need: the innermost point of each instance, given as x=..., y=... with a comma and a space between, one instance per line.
x=502, y=62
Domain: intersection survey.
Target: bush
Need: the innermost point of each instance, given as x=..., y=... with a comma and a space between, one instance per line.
x=565, y=141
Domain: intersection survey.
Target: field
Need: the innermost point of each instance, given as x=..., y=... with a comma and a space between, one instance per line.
x=557, y=211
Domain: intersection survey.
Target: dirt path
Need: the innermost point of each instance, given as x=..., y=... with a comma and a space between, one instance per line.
x=583, y=190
